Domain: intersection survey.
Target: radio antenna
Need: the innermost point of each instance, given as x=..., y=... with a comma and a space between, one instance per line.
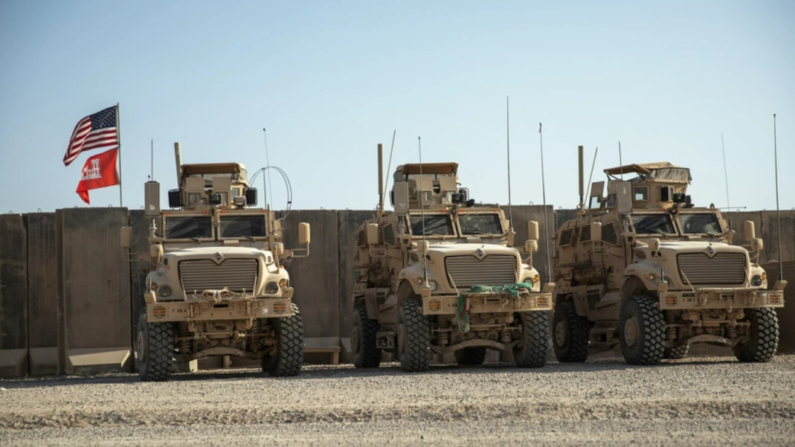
x=590, y=177
x=422, y=215
x=388, y=167
x=508, y=144
x=267, y=174
x=152, y=160
x=778, y=211
x=725, y=173
x=544, y=198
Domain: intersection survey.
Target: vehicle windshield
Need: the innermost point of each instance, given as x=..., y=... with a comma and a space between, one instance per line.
x=243, y=226
x=706, y=223
x=480, y=223
x=435, y=225
x=189, y=227
x=653, y=224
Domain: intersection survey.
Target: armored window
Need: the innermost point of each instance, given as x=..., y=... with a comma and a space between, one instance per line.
x=641, y=193
x=189, y=227
x=473, y=224
x=653, y=224
x=565, y=237
x=361, y=238
x=609, y=234
x=585, y=233
x=242, y=226
x=435, y=225
x=389, y=235
x=611, y=201
x=706, y=223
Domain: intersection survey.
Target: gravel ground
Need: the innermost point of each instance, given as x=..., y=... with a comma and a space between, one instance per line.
x=705, y=401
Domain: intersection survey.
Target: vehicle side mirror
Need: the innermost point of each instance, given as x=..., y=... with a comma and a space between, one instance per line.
x=373, y=234
x=654, y=245
x=757, y=244
x=596, y=231
x=126, y=237
x=155, y=252
x=174, y=199
x=750, y=231
x=251, y=196
x=278, y=249
x=532, y=230
x=304, y=233
x=531, y=245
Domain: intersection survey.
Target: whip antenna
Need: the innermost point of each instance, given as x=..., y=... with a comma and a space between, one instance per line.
x=266, y=174
x=590, y=176
x=508, y=143
x=422, y=216
x=778, y=211
x=544, y=197
x=389, y=165
x=725, y=174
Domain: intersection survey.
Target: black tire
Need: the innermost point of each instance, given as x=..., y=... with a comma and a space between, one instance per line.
x=571, y=333
x=289, y=355
x=155, y=350
x=762, y=342
x=533, y=348
x=363, y=339
x=470, y=356
x=414, y=337
x=677, y=353
x=643, y=344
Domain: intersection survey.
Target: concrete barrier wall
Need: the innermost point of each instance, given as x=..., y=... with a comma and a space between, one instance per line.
x=43, y=307
x=316, y=278
x=79, y=293
x=13, y=296
x=95, y=291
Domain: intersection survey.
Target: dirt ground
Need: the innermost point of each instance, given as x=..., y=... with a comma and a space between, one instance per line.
x=704, y=401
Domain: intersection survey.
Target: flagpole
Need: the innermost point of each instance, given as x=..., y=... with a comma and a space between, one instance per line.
x=118, y=138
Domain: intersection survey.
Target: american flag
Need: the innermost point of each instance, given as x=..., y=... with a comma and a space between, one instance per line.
x=92, y=132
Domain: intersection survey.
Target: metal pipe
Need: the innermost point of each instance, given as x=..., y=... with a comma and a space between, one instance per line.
x=380, y=179
x=582, y=176
x=178, y=158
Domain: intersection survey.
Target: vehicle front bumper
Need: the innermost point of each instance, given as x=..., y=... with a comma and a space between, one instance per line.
x=491, y=302
x=232, y=309
x=721, y=298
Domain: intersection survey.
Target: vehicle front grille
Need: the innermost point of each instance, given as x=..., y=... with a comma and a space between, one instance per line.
x=203, y=274
x=722, y=269
x=494, y=270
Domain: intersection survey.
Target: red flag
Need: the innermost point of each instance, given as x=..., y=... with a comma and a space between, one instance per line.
x=98, y=172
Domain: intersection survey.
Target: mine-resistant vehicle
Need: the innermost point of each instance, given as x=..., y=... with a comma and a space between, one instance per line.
x=647, y=265
x=219, y=286
x=439, y=275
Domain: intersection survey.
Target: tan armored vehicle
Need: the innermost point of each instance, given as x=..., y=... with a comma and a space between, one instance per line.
x=645, y=264
x=439, y=275
x=219, y=286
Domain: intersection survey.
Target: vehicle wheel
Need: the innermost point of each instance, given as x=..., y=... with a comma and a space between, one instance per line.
x=570, y=333
x=470, y=356
x=533, y=347
x=414, y=337
x=677, y=353
x=762, y=340
x=289, y=355
x=642, y=329
x=155, y=350
x=363, y=339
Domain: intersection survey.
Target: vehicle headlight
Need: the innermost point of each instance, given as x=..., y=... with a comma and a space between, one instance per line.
x=164, y=291
x=756, y=281
x=433, y=285
x=272, y=288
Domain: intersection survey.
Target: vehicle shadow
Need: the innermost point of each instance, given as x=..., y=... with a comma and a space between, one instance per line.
x=347, y=371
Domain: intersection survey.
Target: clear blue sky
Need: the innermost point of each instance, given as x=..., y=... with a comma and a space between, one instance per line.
x=330, y=80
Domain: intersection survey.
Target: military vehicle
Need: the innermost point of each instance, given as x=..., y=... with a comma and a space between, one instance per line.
x=439, y=275
x=647, y=265
x=219, y=286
